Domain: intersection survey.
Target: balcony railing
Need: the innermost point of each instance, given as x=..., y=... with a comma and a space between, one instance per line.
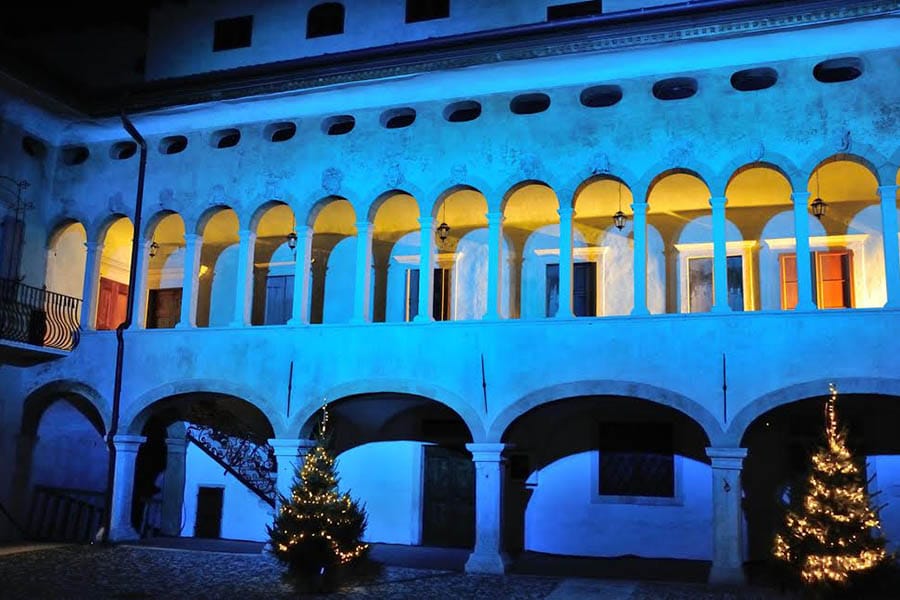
x=37, y=317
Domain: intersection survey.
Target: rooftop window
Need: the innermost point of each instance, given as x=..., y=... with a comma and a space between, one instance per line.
x=600, y=96
x=339, y=125
x=750, y=80
x=460, y=112
x=837, y=70
x=172, y=144
x=122, y=150
x=573, y=10
x=225, y=138
x=398, y=118
x=529, y=104
x=426, y=10
x=230, y=34
x=280, y=132
x=675, y=88
x=74, y=155
x=325, y=19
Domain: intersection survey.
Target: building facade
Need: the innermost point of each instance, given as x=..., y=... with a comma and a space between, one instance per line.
x=540, y=261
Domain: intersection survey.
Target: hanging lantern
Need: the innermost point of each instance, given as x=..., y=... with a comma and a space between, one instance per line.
x=819, y=208
x=619, y=220
x=442, y=230
x=292, y=240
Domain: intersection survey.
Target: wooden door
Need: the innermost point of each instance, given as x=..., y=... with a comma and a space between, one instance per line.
x=448, y=509
x=279, y=299
x=209, y=512
x=112, y=303
x=163, y=308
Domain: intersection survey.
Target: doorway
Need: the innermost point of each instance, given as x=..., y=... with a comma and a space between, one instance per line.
x=209, y=512
x=448, y=507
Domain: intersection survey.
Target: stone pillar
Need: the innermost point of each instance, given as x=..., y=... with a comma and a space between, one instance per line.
x=495, y=244
x=728, y=524
x=362, y=300
x=126, y=447
x=640, y=258
x=173, y=487
x=720, y=256
x=801, y=234
x=289, y=455
x=889, y=239
x=426, y=266
x=91, y=287
x=244, y=279
x=302, y=279
x=488, y=556
x=191, y=282
x=565, y=263
x=139, y=312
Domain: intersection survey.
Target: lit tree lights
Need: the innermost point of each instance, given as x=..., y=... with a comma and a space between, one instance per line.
x=317, y=529
x=835, y=533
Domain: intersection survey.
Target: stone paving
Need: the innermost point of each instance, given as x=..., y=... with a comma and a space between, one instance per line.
x=131, y=573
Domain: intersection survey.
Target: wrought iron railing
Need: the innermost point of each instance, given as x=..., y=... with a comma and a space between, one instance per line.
x=38, y=317
x=251, y=463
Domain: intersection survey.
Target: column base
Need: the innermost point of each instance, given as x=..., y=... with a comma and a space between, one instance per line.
x=180, y=325
x=639, y=311
x=721, y=309
x=295, y=322
x=422, y=319
x=727, y=576
x=493, y=563
x=123, y=534
x=806, y=306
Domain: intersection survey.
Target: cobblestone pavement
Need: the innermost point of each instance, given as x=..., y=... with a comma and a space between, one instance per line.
x=132, y=573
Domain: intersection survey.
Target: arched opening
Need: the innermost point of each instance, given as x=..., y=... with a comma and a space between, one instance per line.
x=603, y=270
x=531, y=228
x=217, y=286
x=165, y=272
x=760, y=205
x=66, y=260
x=780, y=443
x=680, y=251
x=609, y=476
x=205, y=470
x=846, y=245
x=115, y=274
x=325, y=19
x=396, y=241
x=461, y=257
x=427, y=495
x=274, y=265
x=60, y=473
x=333, y=267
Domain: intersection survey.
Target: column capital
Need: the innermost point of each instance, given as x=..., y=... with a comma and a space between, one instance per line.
x=889, y=190
x=727, y=458
x=303, y=232
x=93, y=246
x=565, y=212
x=718, y=201
x=192, y=238
x=800, y=197
x=290, y=447
x=494, y=218
x=128, y=443
x=246, y=234
x=426, y=222
x=487, y=452
x=362, y=227
x=639, y=208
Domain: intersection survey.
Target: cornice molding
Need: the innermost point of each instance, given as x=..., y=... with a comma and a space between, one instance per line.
x=581, y=36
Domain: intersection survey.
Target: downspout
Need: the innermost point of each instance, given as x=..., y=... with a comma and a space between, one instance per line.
x=129, y=317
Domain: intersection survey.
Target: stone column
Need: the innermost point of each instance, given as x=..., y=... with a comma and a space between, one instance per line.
x=488, y=556
x=426, y=266
x=720, y=256
x=495, y=243
x=191, y=282
x=126, y=447
x=302, y=278
x=362, y=300
x=565, y=263
x=173, y=487
x=801, y=234
x=91, y=287
x=640, y=258
x=728, y=525
x=289, y=455
x=139, y=314
x=889, y=239
x=244, y=279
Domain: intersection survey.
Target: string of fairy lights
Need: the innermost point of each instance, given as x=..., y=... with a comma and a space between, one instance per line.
x=316, y=500
x=837, y=522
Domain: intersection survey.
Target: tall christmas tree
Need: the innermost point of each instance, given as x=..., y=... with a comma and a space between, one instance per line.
x=317, y=528
x=835, y=534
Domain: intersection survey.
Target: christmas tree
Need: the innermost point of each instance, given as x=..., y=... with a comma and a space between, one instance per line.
x=835, y=534
x=316, y=528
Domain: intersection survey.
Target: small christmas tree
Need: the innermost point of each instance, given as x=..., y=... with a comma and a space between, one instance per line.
x=835, y=535
x=316, y=528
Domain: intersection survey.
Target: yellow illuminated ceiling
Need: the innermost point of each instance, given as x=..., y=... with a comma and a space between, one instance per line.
x=601, y=199
x=465, y=209
x=397, y=214
x=276, y=222
x=532, y=204
x=678, y=192
x=337, y=217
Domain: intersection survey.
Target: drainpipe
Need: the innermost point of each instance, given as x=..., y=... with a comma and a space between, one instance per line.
x=129, y=317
